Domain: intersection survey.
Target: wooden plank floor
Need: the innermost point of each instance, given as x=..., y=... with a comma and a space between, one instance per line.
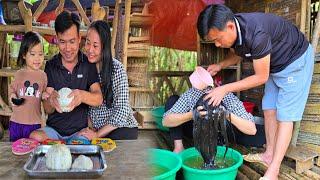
x=131, y=156
x=252, y=170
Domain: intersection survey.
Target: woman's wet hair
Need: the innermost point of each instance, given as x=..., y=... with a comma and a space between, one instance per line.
x=213, y=16
x=30, y=39
x=103, y=30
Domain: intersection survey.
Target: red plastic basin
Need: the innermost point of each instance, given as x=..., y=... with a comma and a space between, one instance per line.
x=248, y=106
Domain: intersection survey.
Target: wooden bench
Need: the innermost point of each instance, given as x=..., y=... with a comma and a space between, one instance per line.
x=304, y=158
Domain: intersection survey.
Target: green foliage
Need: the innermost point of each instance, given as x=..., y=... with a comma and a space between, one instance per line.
x=166, y=59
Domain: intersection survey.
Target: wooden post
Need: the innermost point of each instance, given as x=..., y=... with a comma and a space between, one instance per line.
x=198, y=49
x=26, y=15
x=308, y=33
x=115, y=26
x=97, y=12
x=40, y=9
x=316, y=30
x=106, y=8
x=60, y=7
x=145, y=9
x=126, y=32
x=81, y=11
x=303, y=17
x=303, y=10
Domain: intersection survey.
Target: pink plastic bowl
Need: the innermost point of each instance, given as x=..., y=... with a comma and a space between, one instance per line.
x=201, y=78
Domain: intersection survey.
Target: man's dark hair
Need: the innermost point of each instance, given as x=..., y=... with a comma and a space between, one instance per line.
x=65, y=20
x=213, y=16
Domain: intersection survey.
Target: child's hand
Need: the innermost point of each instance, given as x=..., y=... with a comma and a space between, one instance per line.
x=45, y=96
x=12, y=95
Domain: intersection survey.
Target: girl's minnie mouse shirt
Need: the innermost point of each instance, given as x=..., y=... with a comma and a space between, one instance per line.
x=30, y=85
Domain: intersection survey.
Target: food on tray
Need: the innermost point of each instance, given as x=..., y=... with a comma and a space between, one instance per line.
x=82, y=162
x=64, y=100
x=58, y=157
x=52, y=142
x=24, y=146
x=107, y=144
x=35, y=167
x=76, y=141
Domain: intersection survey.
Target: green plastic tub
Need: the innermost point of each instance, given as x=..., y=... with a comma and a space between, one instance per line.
x=224, y=173
x=157, y=114
x=163, y=164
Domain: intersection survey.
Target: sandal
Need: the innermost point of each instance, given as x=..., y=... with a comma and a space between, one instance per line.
x=254, y=158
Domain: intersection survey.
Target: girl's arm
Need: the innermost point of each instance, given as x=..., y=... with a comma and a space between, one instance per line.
x=13, y=89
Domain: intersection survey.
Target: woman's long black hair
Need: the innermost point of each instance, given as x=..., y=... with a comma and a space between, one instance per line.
x=103, y=29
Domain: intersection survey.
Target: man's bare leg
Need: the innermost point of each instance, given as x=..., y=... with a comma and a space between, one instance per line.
x=271, y=126
x=283, y=138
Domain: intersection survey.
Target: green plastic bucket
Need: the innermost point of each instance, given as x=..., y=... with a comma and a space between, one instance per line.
x=225, y=173
x=167, y=163
x=157, y=114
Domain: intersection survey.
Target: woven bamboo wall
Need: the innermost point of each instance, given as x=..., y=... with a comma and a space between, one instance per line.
x=309, y=134
x=137, y=66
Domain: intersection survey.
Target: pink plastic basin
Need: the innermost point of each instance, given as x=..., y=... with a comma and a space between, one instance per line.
x=201, y=78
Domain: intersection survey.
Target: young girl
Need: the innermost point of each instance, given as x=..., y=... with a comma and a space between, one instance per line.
x=27, y=89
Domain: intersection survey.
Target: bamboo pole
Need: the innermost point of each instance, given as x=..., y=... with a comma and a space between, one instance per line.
x=81, y=11
x=107, y=10
x=40, y=9
x=60, y=7
x=97, y=12
x=39, y=29
x=249, y=172
x=126, y=32
x=115, y=26
x=26, y=15
x=316, y=30
x=308, y=20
